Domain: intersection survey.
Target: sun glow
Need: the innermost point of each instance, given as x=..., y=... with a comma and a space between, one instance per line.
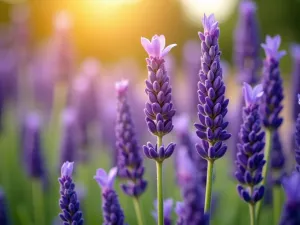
x=196, y=8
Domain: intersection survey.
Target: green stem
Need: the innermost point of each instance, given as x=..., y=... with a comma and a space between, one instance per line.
x=160, y=201
x=38, y=204
x=276, y=203
x=209, y=178
x=138, y=210
x=267, y=151
x=252, y=214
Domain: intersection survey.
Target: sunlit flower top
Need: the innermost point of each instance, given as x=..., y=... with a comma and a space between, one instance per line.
x=271, y=47
x=106, y=181
x=247, y=7
x=156, y=47
x=210, y=25
x=251, y=95
x=121, y=86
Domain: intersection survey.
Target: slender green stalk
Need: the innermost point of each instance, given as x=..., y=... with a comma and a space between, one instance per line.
x=138, y=210
x=252, y=214
x=160, y=200
x=276, y=204
x=38, y=203
x=267, y=152
x=209, y=178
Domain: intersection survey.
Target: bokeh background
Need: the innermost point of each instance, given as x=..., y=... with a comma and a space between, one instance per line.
x=62, y=54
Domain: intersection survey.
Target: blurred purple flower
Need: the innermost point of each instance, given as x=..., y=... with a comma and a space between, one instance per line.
x=295, y=53
x=247, y=43
x=130, y=161
x=4, y=219
x=272, y=84
x=250, y=157
x=212, y=107
x=277, y=159
x=112, y=211
x=68, y=202
x=297, y=139
x=168, y=206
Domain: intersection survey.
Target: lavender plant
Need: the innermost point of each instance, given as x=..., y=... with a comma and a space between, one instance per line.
x=297, y=139
x=295, y=53
x=130, y=161
x=68, y=202
x=212, y=107
x=112, y=211
x=159, y=108
x=272, y=98
x=250, y=157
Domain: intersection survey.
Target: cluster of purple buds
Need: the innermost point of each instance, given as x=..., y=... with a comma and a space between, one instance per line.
x=168, y=206
x=112, y=211
x=158, y=153
x=250, y=157
x=297, y=139
x=212, y=107
x=130, y=161
x=159, y=108
x=68, y=201
x=272, y=84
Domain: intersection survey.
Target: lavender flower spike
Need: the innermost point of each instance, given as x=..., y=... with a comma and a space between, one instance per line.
x=272, y=83
x=112, y=211
x=250, y=157
x=68, y=202
x=159, y=108
x=247, y=43
x=212, y=106
x=295, y=53
x=290, y=214
x=168, y=205
x=297, y=139
x=130, y=161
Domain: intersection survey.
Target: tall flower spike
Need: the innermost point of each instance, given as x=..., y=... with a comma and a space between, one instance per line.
x=250, y=158
x=168, y=206
x=69, y=145
x=290, y=214
x=247, y=43
x=130, y=161
x=68, y=201
x=297, y=139
x=192, y=191
x=159, y=108
x=112, y=211
x=272, y=84
x=295, y=53
x=4, y=220
x=212, y=106
x=277, y=159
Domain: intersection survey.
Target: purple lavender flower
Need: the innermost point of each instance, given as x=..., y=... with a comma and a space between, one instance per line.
x=130, y=161
x=68, y=202
x=112, y=211
x=168, y=205
x=297, y=139
x=32, y=146
x=250, y=158
x=212, y=106
x=158, y=154
x=247, y=43
x=277, y=159
x=272, y=83
x=192, y=190
x=295, y=52
x=159, y=109
x=69, y=143
x=4, y=220
x=290, y=214
x=186, y=140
